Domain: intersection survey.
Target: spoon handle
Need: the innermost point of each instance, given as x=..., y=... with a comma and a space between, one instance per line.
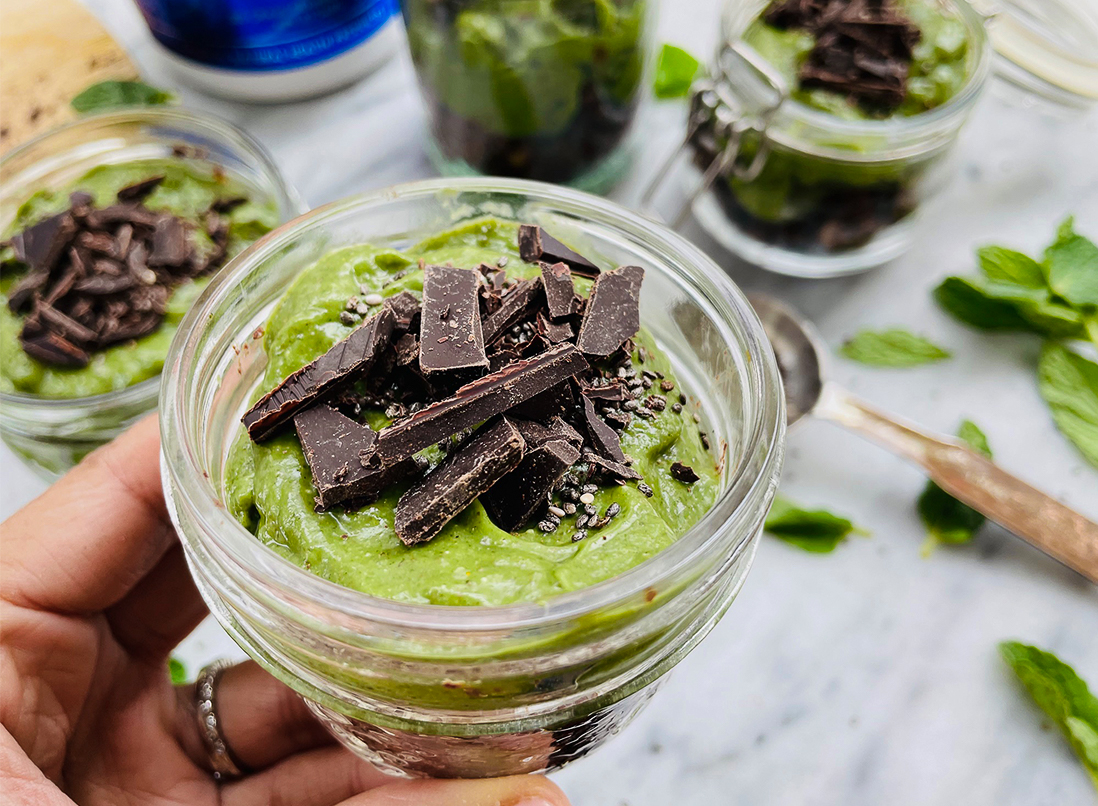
x=1054, y=528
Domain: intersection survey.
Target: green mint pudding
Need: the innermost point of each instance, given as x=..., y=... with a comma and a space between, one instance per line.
x=538, y=89
x=856, y=61
x=96, y=276
x=594, y=519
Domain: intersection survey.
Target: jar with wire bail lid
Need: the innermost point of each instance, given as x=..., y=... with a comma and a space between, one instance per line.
x=798, y=174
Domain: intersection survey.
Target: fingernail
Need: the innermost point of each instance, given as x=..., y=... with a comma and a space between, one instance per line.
x=533, y=802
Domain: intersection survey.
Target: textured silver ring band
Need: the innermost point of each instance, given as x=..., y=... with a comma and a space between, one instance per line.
x=224, y=767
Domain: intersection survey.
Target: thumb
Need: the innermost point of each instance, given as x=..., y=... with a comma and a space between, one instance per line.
x=519, y=790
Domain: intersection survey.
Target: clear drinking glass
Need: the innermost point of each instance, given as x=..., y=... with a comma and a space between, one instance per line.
x=51, y=435
x=464, y=690
x=534, y=89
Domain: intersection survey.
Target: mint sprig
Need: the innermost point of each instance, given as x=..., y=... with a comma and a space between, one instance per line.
x=814, y=530
x=115, y=94
x=1061, y=694
x=946, y=519
x=894, y=348
x=1068, y=382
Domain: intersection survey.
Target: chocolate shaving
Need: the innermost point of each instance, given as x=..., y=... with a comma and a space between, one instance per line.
x=344, y=363
x=475, y=402
x=602, y=437
x=684, y=473
x=450, y=330
x=519, y=496
x=462, y=477
x=139, y=190
x=613, y=311
x=536, y=245
x=560, y=291
x=53, y=348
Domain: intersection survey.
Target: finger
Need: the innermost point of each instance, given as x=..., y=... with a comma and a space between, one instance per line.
x=262, y=720
x=160, y=611
x=323, y=777
x=521, y=790
x=84, y=543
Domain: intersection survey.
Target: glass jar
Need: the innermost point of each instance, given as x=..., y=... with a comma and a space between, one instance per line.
x=800, y=191
x=465, y=690
x=534, y=89
x=51, y=435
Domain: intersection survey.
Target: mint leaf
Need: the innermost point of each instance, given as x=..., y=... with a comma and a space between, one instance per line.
x=1069, y=385
x=1002, y=265
x=1072, y=262
x=1061, y=694
x=114, y=94
x=989, y=305
x=176, y=671
x=892, y=348
x=675, y=72
x=946, y=519
x=814, y=530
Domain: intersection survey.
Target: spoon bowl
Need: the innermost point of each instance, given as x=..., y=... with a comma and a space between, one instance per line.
x=799, y=353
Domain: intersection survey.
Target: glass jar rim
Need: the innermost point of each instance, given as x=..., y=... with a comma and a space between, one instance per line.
x=146, y=389
x=914, y=126
x=185, y=476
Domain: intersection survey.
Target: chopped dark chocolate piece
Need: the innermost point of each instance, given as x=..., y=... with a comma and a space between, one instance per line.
x=610, y=393
x=475, y=402
x=536, y=245
x=23, y=292
x=450, y=332
x=601, y=437
x=557, y=401
x=615, y=469
x=139, y=190
x=518, y=304
x=105, y=283
x=344, y=363
x=560, y=291
x=613, y=311
x=518, y=497
x=228, y=205
x=40, y=245
x=684, y=473
x=331, y=443
x=537, y=434
x=501, y=358
x=52, y=348
x=407, y=350
x=553, y=332
x=463, y=476
x=52, y=319
x=132, y=326
x=405, y=307
x=169, y=246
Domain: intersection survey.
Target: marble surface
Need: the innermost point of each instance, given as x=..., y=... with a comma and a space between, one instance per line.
x=865, y=677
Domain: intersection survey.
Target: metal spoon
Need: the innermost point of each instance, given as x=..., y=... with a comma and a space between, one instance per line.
x=969, y=477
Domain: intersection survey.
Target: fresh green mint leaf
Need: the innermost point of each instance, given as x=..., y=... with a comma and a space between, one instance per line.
x=177, y=671
x=892, y=348
x=946, y=519
x=986, y=305
x=1061, y=694
x=1072, y=262
x=1069, y=384
x=1002, y=265
x=814, y=530
x=675, y=72
x=115, y=94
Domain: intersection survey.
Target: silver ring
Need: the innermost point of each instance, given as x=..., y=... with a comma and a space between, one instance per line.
x=225, y=767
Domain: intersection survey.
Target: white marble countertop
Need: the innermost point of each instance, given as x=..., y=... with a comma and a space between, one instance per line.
x=869, y=676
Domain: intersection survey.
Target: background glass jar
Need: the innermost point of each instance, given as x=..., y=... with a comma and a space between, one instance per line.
x=474, y=691
x=51, y=435
x=803, y=192
x=535, y=89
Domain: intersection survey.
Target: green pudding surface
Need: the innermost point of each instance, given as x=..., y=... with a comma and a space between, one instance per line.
x=939, y=66
x=187, y=191
x=269, y=489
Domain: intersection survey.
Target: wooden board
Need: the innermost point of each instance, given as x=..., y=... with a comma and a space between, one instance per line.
x=52, y=50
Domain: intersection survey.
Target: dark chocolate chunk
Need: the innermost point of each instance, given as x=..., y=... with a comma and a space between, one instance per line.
x=343, y=364
x=405, y=307
x=560, y=292
x=474, y=403
x=407, y=350
x=613, y=311
x=104, y=283
x=517, y=305
x=23, y=292
x=169, y=244
x=616, y=469
x=601, y=437
x=611, y=392
x=52, y=319
x=552, y=331
x=537, y=434
x=132, y=326
x=331, y=443
x=40, y=245
x=518, y=497
x=121, y=213
x=557, y=401
x=501, y=358
x=684, y=473
x=52, y=348
x=450, y=332
x=535, y=245
x=139, y=190
x=464, y=475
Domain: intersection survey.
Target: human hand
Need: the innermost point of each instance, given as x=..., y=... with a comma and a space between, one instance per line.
x=94, y=595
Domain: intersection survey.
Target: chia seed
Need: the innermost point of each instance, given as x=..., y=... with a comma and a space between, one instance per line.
x=667, y=386
x=581, y=521
x=352, y=303
x=579, y=535
x=502, y=262
x=548, y=526
x=590, y=488
x=647, y=383
x=645, y=489
x=591, y=509
x=557, y=512
x=347, y=318
x=630, y=405
x=677, y=408
x=569, y=509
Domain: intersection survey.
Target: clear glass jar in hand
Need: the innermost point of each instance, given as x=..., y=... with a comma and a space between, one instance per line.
x=534, y=89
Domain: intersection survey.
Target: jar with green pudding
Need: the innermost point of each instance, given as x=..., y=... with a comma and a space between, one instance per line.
x=112, y=225
x=533, y=89
x=824, y=127
x=485, y=651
